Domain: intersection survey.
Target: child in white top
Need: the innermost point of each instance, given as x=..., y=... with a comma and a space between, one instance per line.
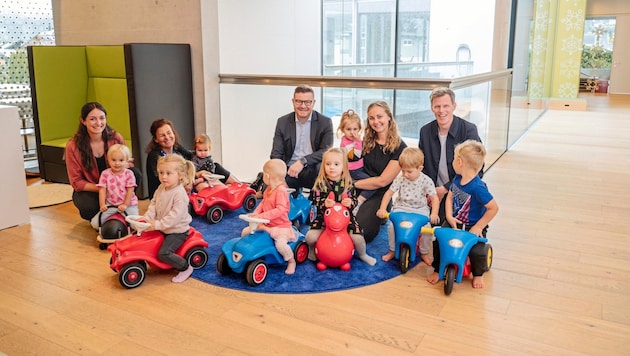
x=116, y=186
x=205, y=165
x=168, y=211
x=413, y=188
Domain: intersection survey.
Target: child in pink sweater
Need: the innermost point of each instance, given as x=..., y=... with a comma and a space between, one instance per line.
x=275, y=208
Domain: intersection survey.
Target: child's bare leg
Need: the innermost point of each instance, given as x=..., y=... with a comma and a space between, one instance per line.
x=426, y=259
x=290, y=267
x=388, y=256
x=477, y=282
x=433, y=278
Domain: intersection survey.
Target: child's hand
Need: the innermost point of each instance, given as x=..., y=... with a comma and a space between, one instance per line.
x=381, y=213
x=329, y=202
x=476, y=230
x=435, y=219
x=103, y=208
x=453, y=222
x=122, y=207
x=347, y=202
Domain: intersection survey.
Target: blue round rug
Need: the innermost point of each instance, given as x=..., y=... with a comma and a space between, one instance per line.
x=307, y=279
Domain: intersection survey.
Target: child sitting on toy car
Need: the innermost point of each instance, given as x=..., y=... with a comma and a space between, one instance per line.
x=469, y=205
x=168, y=211
x=205, y=166
x=275, y=208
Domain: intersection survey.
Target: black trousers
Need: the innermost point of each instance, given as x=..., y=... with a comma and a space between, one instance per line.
x=477, y=254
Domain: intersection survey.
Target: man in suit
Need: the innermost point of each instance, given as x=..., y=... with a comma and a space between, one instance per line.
x=301, y=138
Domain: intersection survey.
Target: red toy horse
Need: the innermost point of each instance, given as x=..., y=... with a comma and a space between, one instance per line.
x=335, y=248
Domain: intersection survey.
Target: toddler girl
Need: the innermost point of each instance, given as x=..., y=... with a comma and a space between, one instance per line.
x=275, y=207
x=205, y=165
x=334, y=177
x=350, y=129
x=168, y=211
x=116, y=186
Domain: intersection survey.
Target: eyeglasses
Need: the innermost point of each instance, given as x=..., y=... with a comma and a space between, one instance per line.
x=305, y=102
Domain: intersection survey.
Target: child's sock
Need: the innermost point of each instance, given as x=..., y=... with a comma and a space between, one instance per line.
x=356, y=208
x=290, y=267
x=368, y=259
x=183, y=275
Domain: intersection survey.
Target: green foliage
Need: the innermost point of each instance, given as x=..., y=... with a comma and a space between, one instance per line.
x=596, y=57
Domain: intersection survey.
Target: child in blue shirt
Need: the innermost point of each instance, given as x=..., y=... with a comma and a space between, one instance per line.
x=469, y=206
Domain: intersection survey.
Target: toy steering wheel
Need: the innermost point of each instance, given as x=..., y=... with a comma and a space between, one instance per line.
x=253, y=222
x=139, y=226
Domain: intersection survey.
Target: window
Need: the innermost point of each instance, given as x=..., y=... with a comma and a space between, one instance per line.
x=23, y=23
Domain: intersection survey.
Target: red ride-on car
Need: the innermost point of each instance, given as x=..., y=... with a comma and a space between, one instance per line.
x=132, y=255
x=212, y=201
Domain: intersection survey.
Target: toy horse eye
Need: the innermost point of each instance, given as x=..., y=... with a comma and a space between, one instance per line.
x=346, y=213
x=327, y=212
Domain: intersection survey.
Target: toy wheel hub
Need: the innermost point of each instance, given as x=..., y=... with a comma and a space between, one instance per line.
x=132, y=276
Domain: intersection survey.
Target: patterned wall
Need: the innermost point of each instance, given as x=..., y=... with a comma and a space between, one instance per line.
x=557, y=34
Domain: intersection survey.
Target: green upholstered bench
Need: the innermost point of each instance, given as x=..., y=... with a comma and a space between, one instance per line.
x=136, y=83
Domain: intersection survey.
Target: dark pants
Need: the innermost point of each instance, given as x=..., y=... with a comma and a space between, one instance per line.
x=306, y=178
x=167, y=251
x=477, y=254
x=359, y=174
x=366, y=216
x=87, y=202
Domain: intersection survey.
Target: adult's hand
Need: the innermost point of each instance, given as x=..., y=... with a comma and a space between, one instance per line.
x=295, y=169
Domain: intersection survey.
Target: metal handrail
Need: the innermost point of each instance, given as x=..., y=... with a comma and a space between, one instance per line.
x=363, y=82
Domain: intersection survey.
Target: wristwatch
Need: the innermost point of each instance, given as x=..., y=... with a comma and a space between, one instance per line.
x=303, y=161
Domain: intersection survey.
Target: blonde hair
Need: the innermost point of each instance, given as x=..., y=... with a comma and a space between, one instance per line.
x=275, y=168
x=321, y=182
x=122, y=149
x=393, y=138
x=181, y=165
x=202, y=139
x=472, y=153
x=411, y=157
x=349, y=116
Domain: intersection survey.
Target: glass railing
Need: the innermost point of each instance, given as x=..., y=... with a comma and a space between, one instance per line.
x=251, y=104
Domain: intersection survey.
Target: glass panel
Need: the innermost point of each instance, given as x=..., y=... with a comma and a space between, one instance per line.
x=22, y=24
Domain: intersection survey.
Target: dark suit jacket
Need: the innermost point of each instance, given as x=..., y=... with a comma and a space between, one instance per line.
x=429, y=142
x=284, y=137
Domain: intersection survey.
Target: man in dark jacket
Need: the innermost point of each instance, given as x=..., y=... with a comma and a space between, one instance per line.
x=438, y=139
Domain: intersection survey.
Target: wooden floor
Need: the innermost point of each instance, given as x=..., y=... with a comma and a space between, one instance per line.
x=560, y=283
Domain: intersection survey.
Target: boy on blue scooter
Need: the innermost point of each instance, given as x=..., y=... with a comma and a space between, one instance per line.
x=469, y=205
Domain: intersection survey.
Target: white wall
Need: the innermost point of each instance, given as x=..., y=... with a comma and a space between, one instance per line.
x=262, y=37
x=458, y=22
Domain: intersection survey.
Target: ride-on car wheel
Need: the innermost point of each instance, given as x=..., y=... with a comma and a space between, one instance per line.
x=191, y=210
x=102, y=246
x=197, y=257
x=449, y=279
x=403, y=261
x=249, y=203
x=214, y=215
x=222, y=264
x=256, y=272
x=489, y=256
x=301, y=252
x=132, y=275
